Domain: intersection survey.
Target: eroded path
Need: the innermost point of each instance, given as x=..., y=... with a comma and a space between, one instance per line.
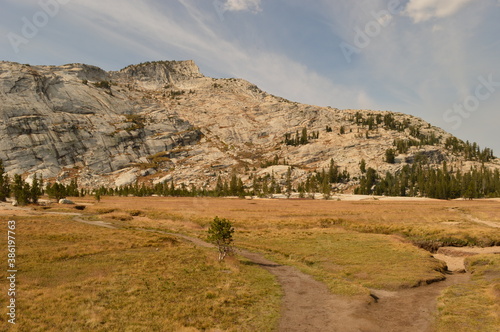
x=409, y=310
x=308, y=305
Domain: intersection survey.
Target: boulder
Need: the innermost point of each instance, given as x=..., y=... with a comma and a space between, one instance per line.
x=65, y=201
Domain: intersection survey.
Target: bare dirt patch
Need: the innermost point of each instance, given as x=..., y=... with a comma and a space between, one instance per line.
x=408, y=310
x=454, y=257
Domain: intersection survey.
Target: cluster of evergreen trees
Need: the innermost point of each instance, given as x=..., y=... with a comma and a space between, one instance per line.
x=389, y=122
x=58, y=190
x=261, y=186
x=374, y=121
x=300, y=139
x=471, y=151
x=442, y=183
x=23, y=192
x=275, y=161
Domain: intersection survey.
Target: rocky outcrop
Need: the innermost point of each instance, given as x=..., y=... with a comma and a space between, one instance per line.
x=164, y=121
x=157, y=74
x=51, y=119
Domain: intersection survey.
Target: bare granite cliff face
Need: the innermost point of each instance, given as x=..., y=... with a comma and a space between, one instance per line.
x=164, y=120
x=55, y=118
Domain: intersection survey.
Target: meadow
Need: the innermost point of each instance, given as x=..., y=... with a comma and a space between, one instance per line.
x=78, y=276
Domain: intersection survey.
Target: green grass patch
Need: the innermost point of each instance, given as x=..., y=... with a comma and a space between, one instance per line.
x=348, y=262
x=426, y=236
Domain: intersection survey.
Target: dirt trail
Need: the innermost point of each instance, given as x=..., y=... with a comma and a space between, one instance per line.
x=408, y=310
x=474, y=219
x=308, y=305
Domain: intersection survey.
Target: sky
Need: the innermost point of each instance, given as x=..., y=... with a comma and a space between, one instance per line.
x=435, y=59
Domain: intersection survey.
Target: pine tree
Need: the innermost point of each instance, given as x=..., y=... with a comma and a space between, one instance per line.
x=326, y=187
x=304, y=138
x=289, y=182
x=390, y=156
x=21, y=190
x=220, y=233
x=4, y=184
x=362, y=166
x=36, y=190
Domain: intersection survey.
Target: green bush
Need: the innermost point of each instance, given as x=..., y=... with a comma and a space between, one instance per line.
x=220, y=233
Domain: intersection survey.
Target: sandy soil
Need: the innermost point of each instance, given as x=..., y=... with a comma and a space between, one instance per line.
x=454, y=257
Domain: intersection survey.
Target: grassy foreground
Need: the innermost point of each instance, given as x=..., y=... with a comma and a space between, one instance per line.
x=78, y=277
x=83, y=277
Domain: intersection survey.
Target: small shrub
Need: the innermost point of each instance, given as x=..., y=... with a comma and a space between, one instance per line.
x=103, y=85
x=220, y=233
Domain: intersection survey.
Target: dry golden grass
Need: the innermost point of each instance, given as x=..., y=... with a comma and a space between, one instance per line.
x=79, y=277
x=426, y=223
x=351, y=246
x=341, y=243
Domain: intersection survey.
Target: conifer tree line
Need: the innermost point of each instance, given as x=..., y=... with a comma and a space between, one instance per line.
x=25, y=193
x=261, y=186
x=424, y=181
x=417, y=179
x=470, y=151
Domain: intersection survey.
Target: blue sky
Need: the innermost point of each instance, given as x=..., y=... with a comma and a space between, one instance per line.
x=436, y=59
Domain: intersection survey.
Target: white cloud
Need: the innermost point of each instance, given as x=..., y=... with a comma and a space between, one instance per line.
x=194, y=33
x=243, y=5
x=423, y=10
